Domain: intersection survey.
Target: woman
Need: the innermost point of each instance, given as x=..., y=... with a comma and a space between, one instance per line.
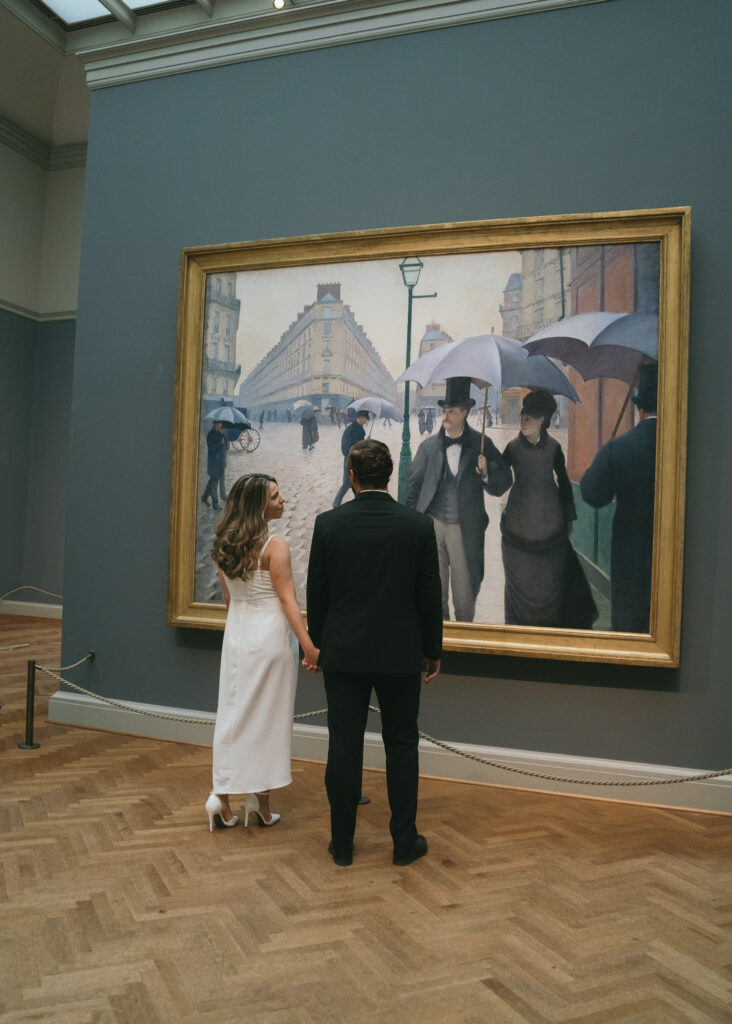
x=545, y=584
x=251, y=750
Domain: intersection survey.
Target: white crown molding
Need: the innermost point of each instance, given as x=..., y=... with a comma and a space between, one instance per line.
x=310, y=743
x=43, y=154
x=187, y=39
x=40, y=318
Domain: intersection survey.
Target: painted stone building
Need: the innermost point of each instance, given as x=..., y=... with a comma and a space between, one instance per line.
x=426, y=398
x=220, y=370
x=324, y=356
x=532, y=299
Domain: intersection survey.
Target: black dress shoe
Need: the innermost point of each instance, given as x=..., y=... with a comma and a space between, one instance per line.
x=342, y=859
x=418, y=850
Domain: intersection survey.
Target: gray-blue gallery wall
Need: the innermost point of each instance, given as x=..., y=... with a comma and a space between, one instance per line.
x=616, y=106
x=35, y=411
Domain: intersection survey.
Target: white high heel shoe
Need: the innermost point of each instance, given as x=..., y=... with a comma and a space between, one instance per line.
x=251, y=806
x=215, y=811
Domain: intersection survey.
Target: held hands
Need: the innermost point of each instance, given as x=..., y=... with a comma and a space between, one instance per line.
x=310, y=661
x=482, y=467
x=431, y=668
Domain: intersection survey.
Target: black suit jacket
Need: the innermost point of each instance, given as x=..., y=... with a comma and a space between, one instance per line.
x=373, y=592
x=625, y=469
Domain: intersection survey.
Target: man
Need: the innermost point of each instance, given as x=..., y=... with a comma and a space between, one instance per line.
x=625, y=469
x=373, y=601
x=448, y=480
x=354, y=432
x=216, y=464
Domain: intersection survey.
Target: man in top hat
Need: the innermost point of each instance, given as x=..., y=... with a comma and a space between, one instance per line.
x=448, y=480
x=625, y=469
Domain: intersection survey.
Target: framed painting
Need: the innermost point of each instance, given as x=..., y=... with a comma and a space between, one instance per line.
x=529, y=377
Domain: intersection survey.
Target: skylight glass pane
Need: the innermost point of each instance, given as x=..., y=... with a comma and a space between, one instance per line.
x=137, y=4
x=73, y=11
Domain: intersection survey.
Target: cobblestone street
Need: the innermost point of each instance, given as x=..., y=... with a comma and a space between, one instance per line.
x=309, y=481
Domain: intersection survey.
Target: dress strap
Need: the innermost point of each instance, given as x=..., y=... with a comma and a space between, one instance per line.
x=264, y=548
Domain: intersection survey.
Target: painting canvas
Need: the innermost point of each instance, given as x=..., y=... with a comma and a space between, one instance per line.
x=516, y=371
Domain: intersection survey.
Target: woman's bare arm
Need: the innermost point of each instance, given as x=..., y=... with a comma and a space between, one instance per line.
x=227, y=596
x=277, y=561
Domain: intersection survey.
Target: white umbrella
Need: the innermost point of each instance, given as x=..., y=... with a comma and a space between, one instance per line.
x=489, y=359
x=378, y=406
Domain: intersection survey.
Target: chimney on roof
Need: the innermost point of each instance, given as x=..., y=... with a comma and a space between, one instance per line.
x=329, y=289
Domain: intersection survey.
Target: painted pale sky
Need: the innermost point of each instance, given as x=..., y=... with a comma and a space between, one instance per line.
x=469, y=291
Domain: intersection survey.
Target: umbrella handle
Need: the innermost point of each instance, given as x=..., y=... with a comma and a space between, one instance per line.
x=482, y=433
x=625, y=403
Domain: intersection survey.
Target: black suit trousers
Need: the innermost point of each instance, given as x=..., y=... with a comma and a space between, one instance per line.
x=348, y=696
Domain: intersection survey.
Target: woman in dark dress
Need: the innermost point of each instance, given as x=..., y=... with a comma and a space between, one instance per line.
x=545, y=584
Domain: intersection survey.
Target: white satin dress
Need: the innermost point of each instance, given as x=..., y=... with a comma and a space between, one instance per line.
x=253, y=734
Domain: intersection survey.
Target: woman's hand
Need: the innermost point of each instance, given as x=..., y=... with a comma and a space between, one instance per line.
x=312, y=653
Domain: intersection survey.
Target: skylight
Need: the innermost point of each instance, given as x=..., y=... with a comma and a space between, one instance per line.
x=75, y=12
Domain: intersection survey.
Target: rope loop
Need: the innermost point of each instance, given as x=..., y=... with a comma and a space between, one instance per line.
x=422, y=735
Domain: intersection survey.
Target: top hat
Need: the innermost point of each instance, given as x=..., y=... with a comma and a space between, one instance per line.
x=646, y=394
x=457, y=392
x=539, y=404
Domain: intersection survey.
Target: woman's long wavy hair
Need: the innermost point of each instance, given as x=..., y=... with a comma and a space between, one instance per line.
x=243, y=528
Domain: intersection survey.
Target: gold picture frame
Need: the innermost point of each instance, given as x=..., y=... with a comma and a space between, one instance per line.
x=665, y=232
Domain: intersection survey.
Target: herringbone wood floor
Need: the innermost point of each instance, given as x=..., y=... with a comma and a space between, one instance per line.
x=119, y=907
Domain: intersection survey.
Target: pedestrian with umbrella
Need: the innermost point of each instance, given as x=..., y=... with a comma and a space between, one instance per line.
x=224, y=417
x=544, y=581
x=354, y=432
x=309, y=424
x=454, y=469
x=451, y=473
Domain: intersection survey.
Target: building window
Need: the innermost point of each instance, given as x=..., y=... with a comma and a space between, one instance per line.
x=230, y=288
x=540, y=288
x=326, y=387
x=215, y=350
x=326, y=366
x=539, y=314
x=227, y=353
x=327, y=327
x=217, y=321
x=538, y=258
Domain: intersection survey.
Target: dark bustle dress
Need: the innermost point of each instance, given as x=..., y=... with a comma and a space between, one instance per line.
x=545, y=583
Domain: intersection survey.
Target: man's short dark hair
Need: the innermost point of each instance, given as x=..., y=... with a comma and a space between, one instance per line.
x=371, y=464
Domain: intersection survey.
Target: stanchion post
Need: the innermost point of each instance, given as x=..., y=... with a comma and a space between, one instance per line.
x=30, y=701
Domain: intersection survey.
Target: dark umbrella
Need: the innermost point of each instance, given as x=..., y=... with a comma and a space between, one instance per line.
x=228, y=414
x=601, y=345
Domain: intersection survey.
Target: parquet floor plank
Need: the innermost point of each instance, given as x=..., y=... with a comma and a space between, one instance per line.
x=117, y=906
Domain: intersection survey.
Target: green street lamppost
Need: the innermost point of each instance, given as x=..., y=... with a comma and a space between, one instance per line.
x=411, y=269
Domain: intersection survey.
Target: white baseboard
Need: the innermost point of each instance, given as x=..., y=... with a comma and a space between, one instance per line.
x=310, y=742
x=33, y=608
